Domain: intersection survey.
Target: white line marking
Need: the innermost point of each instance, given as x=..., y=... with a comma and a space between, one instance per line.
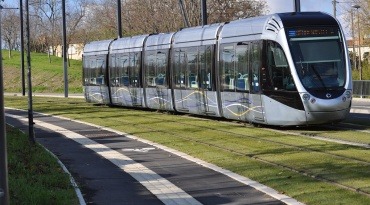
x=144, y=150
x=164, y=190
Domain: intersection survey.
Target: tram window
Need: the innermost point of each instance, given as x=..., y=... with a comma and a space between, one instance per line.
x=319, y=59
x=256, y=65
x=192, y=65
x=180, y=68
x=205, y=67
x=99, y=71
x=150, y=61
x=113, y=71
x=123, y=66
x=242, y=68
x=156, y=67
x=86, y=71
x=161, y=68
x=134, y=72
x=227, y=67
x=278, y=72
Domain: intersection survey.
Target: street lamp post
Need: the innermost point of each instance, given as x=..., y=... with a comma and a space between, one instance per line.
x=354, y=62
x=22, y=48
x=359, y=39
x=4, y=187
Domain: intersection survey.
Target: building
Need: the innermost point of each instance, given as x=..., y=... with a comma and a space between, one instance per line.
x=74, y=51
x=365, y=48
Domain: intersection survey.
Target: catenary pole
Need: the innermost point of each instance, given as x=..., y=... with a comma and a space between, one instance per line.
x=22, y=49
x=204, y=12
x=297, y=6
x=185, y=17
x=353, y=43
x=65, y=49
x=31, y=133
x=335, y=8
x=4, y=189
x=119, y=19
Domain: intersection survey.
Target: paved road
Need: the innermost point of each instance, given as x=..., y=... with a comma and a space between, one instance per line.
x=116, y=168
x=360, y=109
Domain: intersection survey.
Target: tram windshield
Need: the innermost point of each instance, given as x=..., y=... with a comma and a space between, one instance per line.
x=318, y=54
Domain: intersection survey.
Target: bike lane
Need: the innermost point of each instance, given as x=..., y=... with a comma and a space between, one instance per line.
x=112, y=167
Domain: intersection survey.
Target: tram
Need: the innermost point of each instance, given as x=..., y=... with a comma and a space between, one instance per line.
x=285, y=69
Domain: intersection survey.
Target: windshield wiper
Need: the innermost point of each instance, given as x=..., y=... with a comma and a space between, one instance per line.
x=318, y=76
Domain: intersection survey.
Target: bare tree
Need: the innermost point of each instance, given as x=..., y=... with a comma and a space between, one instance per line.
x=10, y=29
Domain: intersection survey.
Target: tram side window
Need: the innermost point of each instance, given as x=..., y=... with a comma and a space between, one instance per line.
x=256, y=50
x=134, y=70
x=86, y=71
x=205, y=67
x=278, y=69
x=94, y=70
x=161, y=68
x=113, y=71
x=242, y=52
x=156, y=68
x=227, y=67
x=192, y=66
x=123, y=66
x=179, y=68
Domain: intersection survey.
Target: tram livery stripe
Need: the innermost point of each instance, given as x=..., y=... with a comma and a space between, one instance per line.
x=164, y=190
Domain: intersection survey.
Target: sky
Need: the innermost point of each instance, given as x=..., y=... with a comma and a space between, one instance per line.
x=279, y=6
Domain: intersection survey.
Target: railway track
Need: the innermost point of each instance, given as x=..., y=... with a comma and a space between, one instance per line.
x=257, y=156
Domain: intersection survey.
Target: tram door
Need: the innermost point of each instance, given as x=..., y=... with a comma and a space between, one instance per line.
x=256, y=105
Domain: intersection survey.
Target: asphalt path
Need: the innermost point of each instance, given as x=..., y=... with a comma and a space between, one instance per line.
x=111, y=167
x=360, y=109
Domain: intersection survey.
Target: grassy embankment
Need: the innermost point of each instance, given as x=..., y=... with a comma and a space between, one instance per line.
x=312, y=171
x=47, y=77
x=35, y=177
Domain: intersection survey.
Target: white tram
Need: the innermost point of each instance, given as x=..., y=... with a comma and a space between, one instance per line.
x=281, y=69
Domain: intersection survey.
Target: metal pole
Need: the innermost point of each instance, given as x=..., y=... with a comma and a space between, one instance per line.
x=185, y=17
x=119, y=19
x=22, y=49
x=4, y=189
x=297, y=6
x=204, y=12
x=31, y=133
x=335, y=8
x=65, y=48
x=353, y=43
x=359, y=44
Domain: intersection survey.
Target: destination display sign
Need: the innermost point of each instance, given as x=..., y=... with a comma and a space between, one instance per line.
x=312, y=32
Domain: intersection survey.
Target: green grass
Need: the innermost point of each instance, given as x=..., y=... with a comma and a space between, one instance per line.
x=365, y=72
x=47, y=77
x=290, y=164
x=35, y=177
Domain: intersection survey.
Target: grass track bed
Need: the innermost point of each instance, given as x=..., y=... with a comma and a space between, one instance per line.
x=282, y=161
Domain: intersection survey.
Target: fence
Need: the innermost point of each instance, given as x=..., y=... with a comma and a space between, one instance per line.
x=361, y=87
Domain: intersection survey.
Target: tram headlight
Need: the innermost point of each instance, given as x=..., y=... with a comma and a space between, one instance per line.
x=306, y=97
x=348, y=94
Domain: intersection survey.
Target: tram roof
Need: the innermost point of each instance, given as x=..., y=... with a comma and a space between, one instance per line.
x=253, y=28
x=129, y=44
x=159, y=41
x=196, y=36
x=307, y=19
x=97, y=47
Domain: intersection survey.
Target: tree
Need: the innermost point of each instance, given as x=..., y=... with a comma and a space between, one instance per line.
x=156, y=16
x=10, y=29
